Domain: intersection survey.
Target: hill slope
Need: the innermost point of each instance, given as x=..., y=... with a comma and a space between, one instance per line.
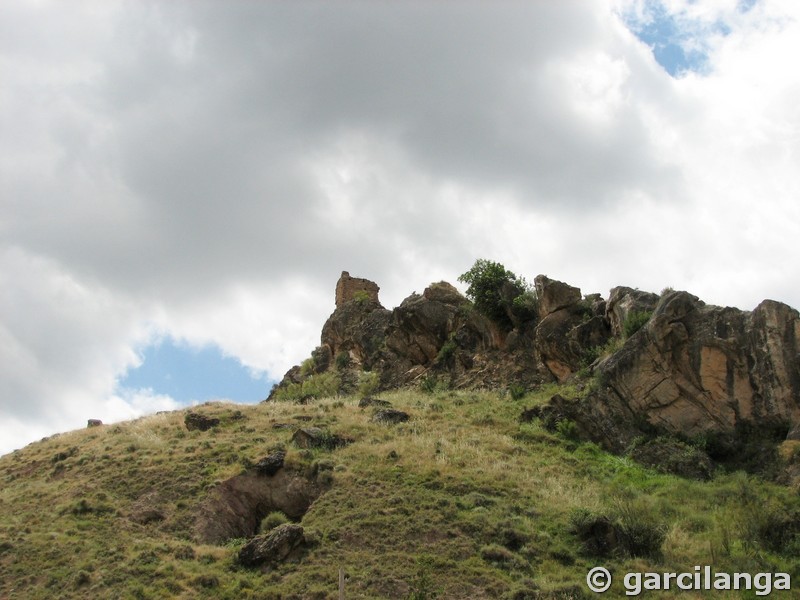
x=505, y=457
x=462, y=500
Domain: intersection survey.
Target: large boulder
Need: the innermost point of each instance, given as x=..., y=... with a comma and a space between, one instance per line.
x=554, y=295
x=390, y=415
x=273, y=547
x=196, y=421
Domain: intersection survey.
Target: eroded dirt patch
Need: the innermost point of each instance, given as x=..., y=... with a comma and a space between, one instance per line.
x=235, y=508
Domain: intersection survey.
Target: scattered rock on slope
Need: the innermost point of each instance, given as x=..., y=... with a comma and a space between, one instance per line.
x=272, y=547
x=196, y=421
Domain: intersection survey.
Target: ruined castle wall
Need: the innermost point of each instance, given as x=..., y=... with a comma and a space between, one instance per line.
x=347, y=287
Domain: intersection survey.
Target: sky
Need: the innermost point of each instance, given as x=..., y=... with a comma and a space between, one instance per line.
x=182, y=183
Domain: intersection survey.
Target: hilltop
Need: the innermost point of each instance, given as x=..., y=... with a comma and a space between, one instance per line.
x=433, y=450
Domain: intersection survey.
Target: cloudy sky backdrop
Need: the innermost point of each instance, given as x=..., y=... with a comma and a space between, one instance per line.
x=181, y=183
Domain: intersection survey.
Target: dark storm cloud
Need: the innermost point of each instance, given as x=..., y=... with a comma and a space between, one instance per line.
x=207, y=113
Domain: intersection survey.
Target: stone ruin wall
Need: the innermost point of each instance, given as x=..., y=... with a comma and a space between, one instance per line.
x=347, y=287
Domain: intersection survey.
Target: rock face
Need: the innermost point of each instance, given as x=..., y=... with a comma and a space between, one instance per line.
x=690, y=370
x=568, y=329
x=695, y=368
x=694, y=371
x=403, y=344
x=554, y=295
x=422, y=325
x=357, y=329
x=273, y=547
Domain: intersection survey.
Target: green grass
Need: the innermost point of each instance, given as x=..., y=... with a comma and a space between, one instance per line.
x=462, y=501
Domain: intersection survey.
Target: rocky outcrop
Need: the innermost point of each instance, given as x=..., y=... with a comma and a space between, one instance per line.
x=422, y=325
x=569, y=327
x=358, y=330
x=695, y=368
x=727, y=378
x=689, y=370
x=437, y=329
x=269, y=465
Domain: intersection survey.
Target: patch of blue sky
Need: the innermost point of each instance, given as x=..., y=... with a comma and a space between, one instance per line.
x=191, y=374
x=745, y=5
x=679, y=44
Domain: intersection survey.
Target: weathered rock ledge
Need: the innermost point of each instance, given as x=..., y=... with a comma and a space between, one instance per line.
x=689, y=370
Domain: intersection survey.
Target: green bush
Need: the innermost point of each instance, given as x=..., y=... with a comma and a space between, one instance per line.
x=635, y=321
x=321, y=385
x=368, y=383
x=486, y=280
x=527, y=302
x=567, y=429
x=307, y=367
x=517, y=391
x=430, y=384
x=361, y=297
x=446, y=352
x=630, y=528
x=272, y=520
x=423, y=588
x=342, y=360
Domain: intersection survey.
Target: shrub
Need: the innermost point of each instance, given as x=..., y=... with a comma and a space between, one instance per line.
x=342, y=360
x=361, y=296
x=517, y=391
x=635, y=321
x=446, y=352
x=321, y=385
x=423, y=588
x=486, y=280
x=630, y=528
x=527, y=302
x=307, y=367
x=567, y=429
x=272, y=520
x=639, y=530
x=429, y=384
x=368, y=382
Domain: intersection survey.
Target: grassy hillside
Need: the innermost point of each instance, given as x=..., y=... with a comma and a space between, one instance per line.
x=462, y=501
